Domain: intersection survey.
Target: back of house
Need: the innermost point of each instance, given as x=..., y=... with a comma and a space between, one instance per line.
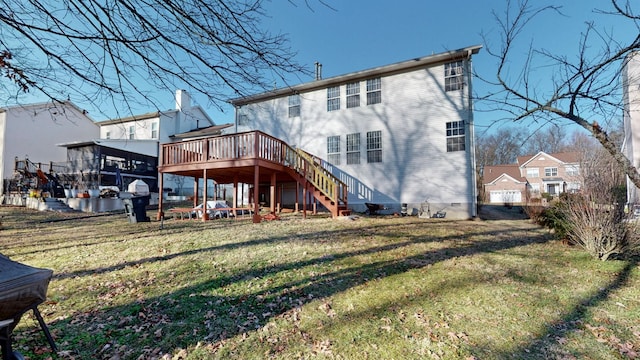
x=400, y=134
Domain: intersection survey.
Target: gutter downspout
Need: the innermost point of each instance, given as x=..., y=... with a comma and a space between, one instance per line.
x=472, y=144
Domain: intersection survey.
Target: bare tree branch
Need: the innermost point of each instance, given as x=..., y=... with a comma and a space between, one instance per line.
x=585, y=91
x=117, y=50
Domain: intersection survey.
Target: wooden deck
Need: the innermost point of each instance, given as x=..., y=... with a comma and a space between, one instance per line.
x=253, y=158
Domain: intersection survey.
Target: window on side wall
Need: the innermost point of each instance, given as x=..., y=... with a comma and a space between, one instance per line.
x=374, y=146
x=132, y=132
x=573, y=170
x=243, y=119
x=453, y=76
x=455, y=136
x=333, y=149
x=107, y=135
x=353, y=149
x=353, y=95
x=374, y=91
x=333, y=98
x=294, y=105
x=533, y=172
x=154, y=130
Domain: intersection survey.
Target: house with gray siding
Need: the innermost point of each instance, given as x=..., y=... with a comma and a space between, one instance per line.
x=396, y=134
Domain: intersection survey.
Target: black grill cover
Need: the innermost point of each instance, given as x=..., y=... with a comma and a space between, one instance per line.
x=21, y=288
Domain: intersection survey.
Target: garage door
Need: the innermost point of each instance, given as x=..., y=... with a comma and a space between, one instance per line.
x=505, y=196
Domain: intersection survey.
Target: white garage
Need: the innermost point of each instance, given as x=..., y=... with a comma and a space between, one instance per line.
x=505, y=196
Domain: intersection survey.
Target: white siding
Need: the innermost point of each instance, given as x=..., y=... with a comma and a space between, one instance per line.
x=631, y=83
x=35, y=130
x=412, y=117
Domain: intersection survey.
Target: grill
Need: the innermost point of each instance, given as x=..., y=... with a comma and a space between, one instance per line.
x=22, y=289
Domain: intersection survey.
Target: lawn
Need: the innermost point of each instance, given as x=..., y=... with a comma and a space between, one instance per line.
x=368, y=288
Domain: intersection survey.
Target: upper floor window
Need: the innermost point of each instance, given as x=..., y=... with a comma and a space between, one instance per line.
x=551, y=171
x=154, y=130
x=353, y=94
x=533, y=172
x=294, y=105
x=132, y=132
x=107, y=135
x=353, y=148
x=374, y=146
x=453, y=76
x=374, y=91
x=572, y=170
x=455, y=136
x=333, y=98
x=333, y=149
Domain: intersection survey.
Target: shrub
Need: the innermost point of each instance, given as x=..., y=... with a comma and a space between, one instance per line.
x=554, y=218
x=598, y=228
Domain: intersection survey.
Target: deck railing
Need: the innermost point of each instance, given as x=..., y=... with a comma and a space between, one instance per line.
x=258, y=145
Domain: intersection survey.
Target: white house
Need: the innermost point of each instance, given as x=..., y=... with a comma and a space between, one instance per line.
x=395, y=134
x=143, y=133
x=631, y=117
x=33, y=131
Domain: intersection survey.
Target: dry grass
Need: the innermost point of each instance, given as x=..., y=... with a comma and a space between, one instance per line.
x=378, y=288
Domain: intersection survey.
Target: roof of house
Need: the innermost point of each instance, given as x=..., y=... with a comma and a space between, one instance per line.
x=564, y=157
x=141, y=146
x=493, y=172
x=208, y=131
x=399, y=67
x=151, y=115
x=145, y=116
x=47, y=103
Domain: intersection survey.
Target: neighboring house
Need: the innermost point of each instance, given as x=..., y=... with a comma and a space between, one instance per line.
x=144, y=133
x=531, y=177
x=395, y=134
x=631, y=118
x=33, y=132
x=504, y=184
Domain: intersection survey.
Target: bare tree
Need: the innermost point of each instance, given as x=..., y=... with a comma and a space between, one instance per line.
x=93, y=50
x=501, y=147
x=551, y=139
x=585, y=91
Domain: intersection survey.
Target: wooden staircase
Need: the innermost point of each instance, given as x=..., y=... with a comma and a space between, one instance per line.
x=330, y=191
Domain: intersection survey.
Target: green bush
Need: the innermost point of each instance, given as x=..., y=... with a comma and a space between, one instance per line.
x=554, y=217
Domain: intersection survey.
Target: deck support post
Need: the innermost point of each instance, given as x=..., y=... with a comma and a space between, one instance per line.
x=272, y=194
x=195, y=192
x=160, y=192
x=297, y=195
x=256, y=195
x=235, y=195
x=205, y=215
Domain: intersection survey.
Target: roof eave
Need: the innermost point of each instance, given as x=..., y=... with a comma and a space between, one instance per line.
x=403, y=66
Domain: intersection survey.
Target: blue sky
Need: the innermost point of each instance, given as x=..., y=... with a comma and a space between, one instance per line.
x=353, y=35
x=360, y=34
